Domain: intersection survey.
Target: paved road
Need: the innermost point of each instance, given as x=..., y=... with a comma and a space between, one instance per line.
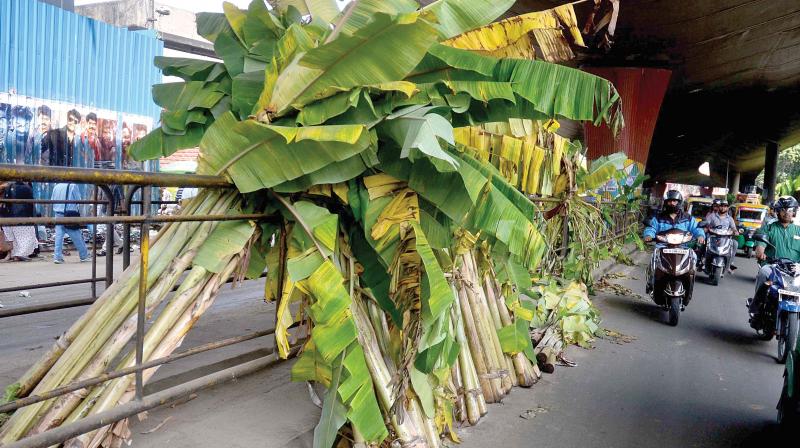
x=706, y=383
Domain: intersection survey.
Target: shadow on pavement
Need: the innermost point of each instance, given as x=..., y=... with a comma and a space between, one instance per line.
x=639, y=307
x=733, y=336
x=769, y=433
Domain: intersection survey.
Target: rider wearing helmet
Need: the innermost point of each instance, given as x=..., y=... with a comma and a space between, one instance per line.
x=672, y=216
x=784, y=238
x=772, y=214
x=714, y=208
x=721, y=219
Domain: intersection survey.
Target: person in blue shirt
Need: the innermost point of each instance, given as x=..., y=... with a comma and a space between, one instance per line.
x=672, y=216
x=67, y=192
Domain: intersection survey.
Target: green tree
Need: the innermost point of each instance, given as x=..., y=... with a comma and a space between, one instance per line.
x=788, y=165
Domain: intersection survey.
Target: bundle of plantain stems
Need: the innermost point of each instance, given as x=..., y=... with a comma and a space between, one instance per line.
x=100, y=338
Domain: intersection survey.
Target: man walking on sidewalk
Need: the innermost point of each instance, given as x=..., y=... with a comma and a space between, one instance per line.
x=67, y=192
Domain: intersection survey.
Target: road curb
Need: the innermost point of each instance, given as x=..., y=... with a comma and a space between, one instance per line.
x=607, y=265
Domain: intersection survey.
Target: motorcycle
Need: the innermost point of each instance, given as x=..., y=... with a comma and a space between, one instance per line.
x=717, y=254
x=670, y=275
x=778, y=311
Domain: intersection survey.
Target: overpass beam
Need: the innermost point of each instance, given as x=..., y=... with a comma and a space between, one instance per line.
x=770, y=171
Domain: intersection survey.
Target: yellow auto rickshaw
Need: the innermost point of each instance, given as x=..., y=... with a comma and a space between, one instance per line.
x=698, y=207
x=749, y=218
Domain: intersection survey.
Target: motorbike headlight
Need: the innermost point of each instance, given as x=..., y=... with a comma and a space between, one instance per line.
x=789, y=281
x=675, y=238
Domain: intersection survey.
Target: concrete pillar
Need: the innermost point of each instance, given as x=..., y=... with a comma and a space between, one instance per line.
x=770, y=171
x=735, y=180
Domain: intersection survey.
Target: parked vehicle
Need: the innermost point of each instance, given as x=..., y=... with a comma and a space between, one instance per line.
x=717, y=253
x=778, y=312
x=749, y=217
x=671, y=273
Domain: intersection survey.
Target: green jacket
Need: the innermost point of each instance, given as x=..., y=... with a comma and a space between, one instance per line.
x=786, y=240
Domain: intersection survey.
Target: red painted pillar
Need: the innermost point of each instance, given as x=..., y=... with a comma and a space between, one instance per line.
x=642, y=91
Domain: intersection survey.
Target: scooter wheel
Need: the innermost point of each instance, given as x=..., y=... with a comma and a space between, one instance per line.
x=674, y=311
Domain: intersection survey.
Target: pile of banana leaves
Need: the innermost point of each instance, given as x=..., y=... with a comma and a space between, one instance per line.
x=399, y=251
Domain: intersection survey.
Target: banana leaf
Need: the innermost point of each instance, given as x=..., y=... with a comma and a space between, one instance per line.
x=454, y=17
x=248, y=152
x=602, y=170
x=323, y=71
x=322, y=9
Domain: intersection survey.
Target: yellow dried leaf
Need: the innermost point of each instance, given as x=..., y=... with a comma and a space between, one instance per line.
x=340, y=190
x=320, y=189
x=566, y=13
x=406, y=87
x=380, y=185
x=515, y=37
x=403, y=207
x=498, y=35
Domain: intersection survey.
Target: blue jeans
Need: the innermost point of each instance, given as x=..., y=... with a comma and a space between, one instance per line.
x=77, y=240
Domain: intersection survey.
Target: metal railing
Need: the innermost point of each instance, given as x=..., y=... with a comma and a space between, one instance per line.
x=142, y=181
x=622, y=222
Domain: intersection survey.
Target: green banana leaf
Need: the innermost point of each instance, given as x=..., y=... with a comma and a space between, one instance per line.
x=602, y=170
x=322, y=9
x=228, y=238
x=248, y=151
x=454, y=17
x=323, y=71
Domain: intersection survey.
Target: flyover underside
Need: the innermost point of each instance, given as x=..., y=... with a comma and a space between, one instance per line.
x=729, y=129
x=735, y=81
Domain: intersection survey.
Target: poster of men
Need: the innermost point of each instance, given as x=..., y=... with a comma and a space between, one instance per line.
x=50, y=133
x=61, y=135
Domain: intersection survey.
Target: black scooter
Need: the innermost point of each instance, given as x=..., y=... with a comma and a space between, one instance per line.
x=671, y=273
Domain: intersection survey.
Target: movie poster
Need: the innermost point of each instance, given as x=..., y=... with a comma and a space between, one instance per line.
x=16, y=122
x=132, y=132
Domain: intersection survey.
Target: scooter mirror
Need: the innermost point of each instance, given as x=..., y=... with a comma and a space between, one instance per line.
x=760, y=237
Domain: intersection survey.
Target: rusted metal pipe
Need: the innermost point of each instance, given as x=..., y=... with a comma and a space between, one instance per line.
x=166, y=396
x=51, y=284
x=143, y=262
x=33, y=399
x=36, y=173
x=31, y=309
x=131, y=219
x=50, y=201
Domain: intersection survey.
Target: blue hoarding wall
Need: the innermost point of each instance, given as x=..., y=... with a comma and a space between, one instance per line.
x=73, y=91
x=49, y=53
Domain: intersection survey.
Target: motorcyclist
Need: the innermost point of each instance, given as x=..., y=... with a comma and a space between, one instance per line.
x=772, y=215
x=714, y=209
x=784, y=238
x=672, y=216
x=721, y=218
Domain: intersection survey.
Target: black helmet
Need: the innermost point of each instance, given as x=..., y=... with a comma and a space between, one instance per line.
x=785, y=203
x=723, y=202
x=674, y=195
x=716, y=202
